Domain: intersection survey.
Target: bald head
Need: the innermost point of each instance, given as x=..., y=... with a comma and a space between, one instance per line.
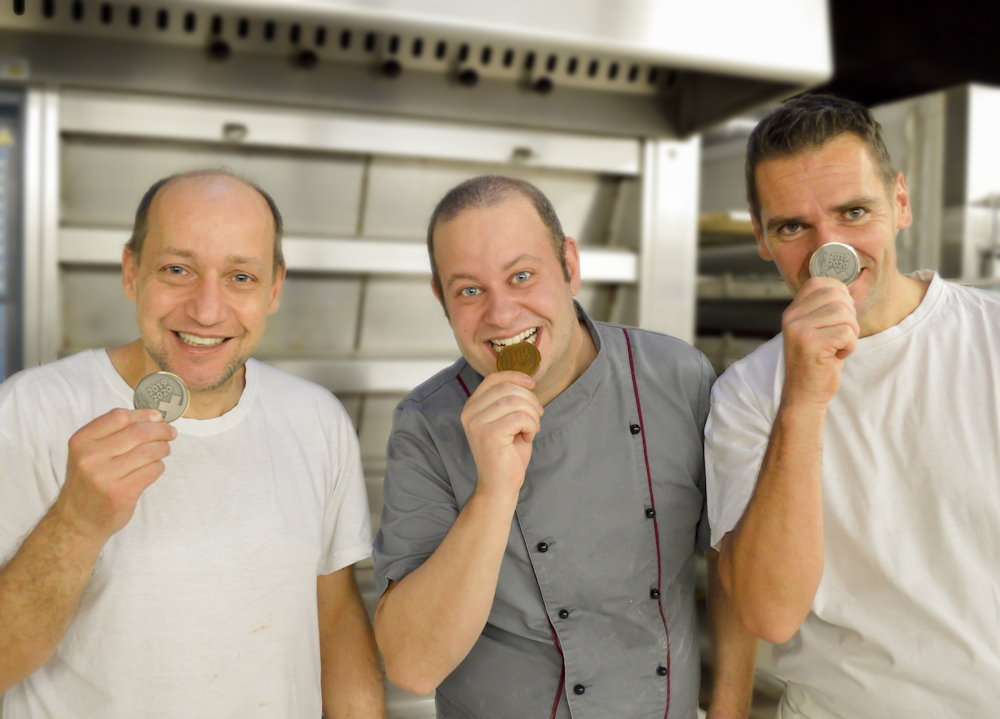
x=206, y=178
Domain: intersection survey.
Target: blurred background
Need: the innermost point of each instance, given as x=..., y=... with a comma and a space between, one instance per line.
x=632, y=115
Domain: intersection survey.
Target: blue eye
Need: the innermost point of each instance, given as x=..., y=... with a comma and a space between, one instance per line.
x=790, y=229
x=856, y=213
x=175, y=270
x=469, y=291
x=242, y=277
x=522, y=276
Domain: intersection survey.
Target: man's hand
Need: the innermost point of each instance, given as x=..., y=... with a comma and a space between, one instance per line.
x=772, y=561
x=820, y=329
x=501, y=419
x=112, y=460
x=427, y=623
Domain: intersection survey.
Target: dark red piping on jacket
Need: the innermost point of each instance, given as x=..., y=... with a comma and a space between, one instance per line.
x=652, y=504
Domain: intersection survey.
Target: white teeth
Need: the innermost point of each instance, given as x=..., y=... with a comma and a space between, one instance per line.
x=200, y=341
x=527, y=336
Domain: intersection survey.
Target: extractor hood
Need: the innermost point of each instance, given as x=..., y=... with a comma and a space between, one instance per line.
x=654, y=68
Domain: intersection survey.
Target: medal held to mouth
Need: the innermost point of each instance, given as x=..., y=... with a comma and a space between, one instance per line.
x=835, y=260
x=162, y=391
x=520, y=357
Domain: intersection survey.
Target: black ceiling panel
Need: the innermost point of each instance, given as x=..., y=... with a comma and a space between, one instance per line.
x=885, y=51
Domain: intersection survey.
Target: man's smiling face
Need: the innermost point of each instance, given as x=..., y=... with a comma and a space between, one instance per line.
x=502, y=282
x=205, y=281
x=834, y=194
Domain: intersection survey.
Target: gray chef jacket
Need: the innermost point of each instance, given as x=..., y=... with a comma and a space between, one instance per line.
x=594, y=614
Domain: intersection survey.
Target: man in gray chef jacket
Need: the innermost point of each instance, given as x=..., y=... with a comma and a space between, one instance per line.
x=538, y=540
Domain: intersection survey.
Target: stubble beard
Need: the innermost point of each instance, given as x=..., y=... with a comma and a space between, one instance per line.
x=159, y=356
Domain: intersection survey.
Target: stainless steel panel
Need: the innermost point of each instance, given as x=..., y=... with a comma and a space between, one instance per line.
x=719, y=35
x=352, y=403
x=722, y=185
x=402, y=194
x=340, y=255
x=104, y=177
x=376, y=423
x=597, y=300
x=135, y=116
x=625, y=222
x=94, y=312
x=401, y=317
x=671, y=66
x=318, y=317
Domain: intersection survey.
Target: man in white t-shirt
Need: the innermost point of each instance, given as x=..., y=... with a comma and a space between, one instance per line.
x=202, y=568
x=852, y=461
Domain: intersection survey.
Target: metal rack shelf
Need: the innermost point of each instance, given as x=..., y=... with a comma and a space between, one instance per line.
x=734, y=225
x=728, y=287
x=338, y=255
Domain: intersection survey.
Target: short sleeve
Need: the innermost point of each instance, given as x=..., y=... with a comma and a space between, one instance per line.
x=702, y=539
x=347, y=527
x=736, y=437
x=419, y=503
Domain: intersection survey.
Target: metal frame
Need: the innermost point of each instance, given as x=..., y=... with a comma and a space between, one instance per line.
x=42, y=325
x=668, y=267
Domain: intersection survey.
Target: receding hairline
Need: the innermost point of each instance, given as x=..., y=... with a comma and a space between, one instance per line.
x=140, y=227
x=205, y=176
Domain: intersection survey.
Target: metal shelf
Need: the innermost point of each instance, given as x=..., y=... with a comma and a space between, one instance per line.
x=727, y=287
x=735, y=224
x=148, y=117
x=338, y=255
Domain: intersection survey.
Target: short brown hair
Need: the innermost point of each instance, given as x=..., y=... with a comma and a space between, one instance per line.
x=141, y=227
x=487, y=191
x=807, y=122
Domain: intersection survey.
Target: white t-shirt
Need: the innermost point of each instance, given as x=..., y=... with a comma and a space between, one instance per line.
x=906, y=620
x=204, y=605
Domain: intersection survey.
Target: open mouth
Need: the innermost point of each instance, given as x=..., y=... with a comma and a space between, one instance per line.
x=529, y=335
x=196, y=341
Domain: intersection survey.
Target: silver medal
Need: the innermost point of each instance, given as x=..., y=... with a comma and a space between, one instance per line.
x=835, y=260
x=162, y=391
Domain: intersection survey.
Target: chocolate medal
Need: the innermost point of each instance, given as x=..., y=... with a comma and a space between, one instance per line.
x=520, y=357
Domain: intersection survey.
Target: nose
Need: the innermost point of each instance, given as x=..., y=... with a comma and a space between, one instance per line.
x=207, y=305
x=501, y=309
x=826, y=232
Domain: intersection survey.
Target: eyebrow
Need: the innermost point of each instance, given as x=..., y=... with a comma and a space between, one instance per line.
x=507, y=266
x=866, y=201
x=231, y=259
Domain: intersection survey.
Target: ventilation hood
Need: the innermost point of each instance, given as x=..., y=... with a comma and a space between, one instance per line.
x=654, y=68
